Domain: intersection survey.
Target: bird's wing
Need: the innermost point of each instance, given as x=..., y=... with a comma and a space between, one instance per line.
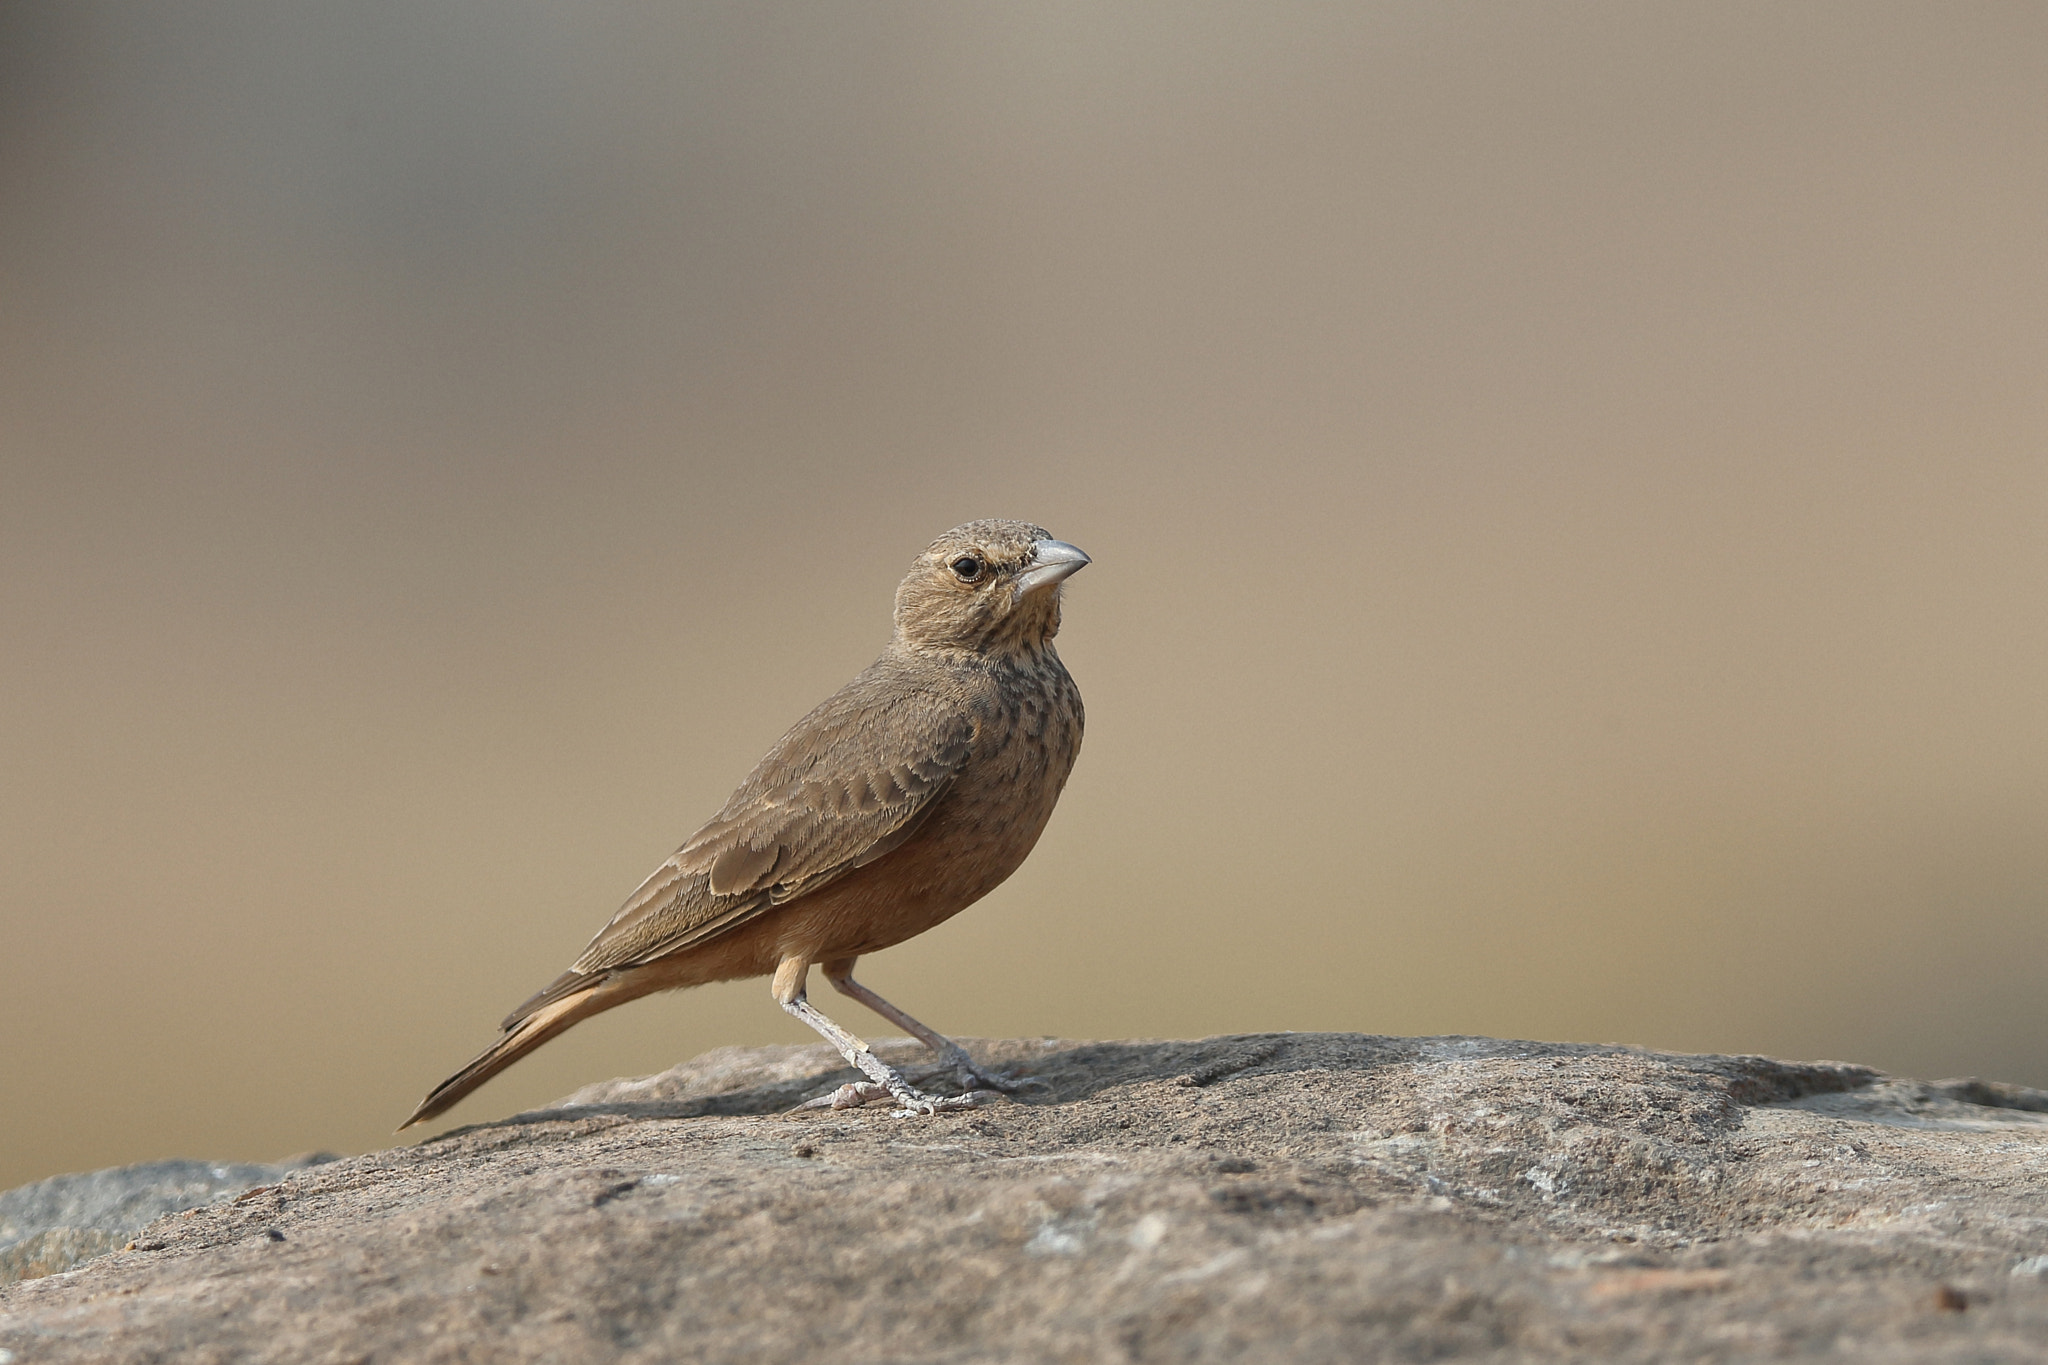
x=850, y=783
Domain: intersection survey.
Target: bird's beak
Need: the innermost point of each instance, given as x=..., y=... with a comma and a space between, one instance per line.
x=1051, y=561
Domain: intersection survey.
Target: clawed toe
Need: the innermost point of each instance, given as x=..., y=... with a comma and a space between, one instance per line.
x=924, y=1105
x=962, y=1071
x=970, y=1077
x=852, y=1095
x=974, y=1078
x=910, y=1103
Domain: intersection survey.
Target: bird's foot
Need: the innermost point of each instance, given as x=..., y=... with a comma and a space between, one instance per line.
x=962, y=1069
x=909, y=1101
x=915, y=1103
x=852, y=1095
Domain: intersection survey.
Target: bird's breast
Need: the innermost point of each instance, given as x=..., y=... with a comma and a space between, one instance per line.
x=979, y=832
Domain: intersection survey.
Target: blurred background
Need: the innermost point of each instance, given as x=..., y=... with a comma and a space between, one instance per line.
x=1567, y=488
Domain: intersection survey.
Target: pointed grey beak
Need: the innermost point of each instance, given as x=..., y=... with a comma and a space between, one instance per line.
x=1051, y=561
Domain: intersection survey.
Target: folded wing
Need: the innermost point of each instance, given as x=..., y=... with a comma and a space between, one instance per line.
x=849, y=784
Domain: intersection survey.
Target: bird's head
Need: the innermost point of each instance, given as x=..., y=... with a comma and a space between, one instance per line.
x=988, y=587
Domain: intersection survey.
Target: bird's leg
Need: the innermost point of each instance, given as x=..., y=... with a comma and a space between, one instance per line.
x=883, y=1079
x=951, y=1055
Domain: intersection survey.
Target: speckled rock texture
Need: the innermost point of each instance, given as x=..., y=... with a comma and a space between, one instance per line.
x=1278, y=1197
x=53, y=1224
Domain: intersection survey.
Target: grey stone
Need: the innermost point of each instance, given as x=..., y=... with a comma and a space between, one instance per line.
x=55, y=1223
x=1278, y=1197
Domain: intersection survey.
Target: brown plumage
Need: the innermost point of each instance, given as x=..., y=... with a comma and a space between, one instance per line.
x=905, y=797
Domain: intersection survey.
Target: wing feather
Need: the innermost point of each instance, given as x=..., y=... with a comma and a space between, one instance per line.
x=849, y=784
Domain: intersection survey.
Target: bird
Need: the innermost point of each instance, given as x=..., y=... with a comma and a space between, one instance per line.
x=900, y=800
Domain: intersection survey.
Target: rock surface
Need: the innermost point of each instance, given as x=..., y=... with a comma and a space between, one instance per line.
x=1283, y=1197
x=56, y=1223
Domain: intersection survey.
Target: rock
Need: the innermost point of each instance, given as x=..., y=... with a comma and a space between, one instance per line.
x=55, y=1223
x=1278, y=1197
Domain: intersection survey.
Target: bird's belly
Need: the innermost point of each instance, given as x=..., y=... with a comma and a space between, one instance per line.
x=960, y=856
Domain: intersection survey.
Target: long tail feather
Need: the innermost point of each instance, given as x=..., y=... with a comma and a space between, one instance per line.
x=519, y=1038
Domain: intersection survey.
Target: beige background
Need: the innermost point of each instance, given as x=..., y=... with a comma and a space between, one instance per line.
x=1567, y=488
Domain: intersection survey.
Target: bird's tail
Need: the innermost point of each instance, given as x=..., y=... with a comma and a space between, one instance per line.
x=522, y=1035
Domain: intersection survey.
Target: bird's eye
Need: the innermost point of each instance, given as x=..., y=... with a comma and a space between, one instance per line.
x=967, y=568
